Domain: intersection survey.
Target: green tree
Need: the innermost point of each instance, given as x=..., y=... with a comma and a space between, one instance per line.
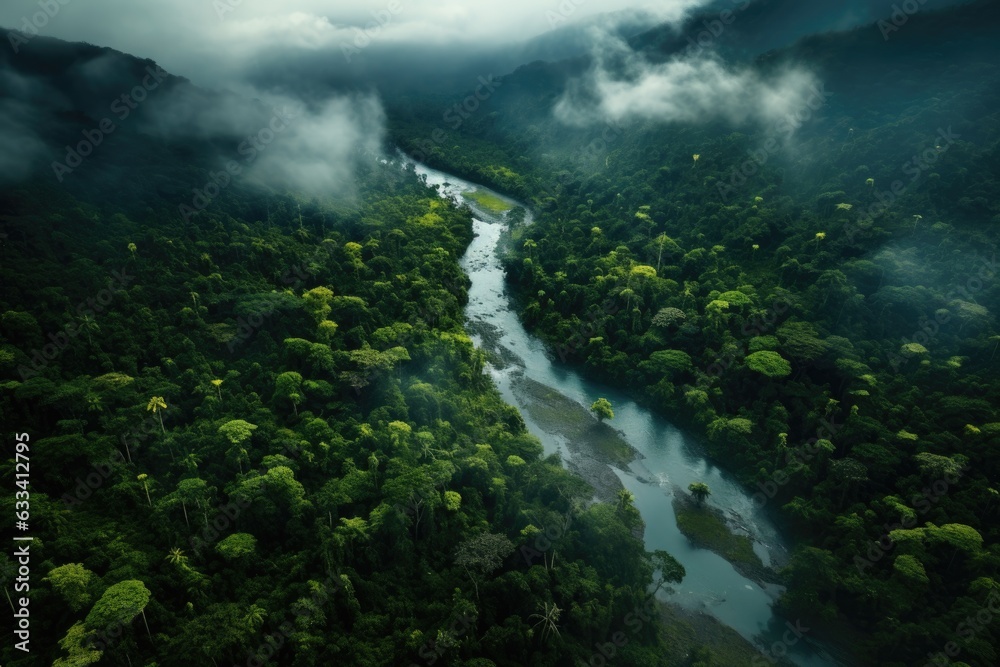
x=602, y=409
x=481, y=555
x=700, y=491
x=157, y=405
x=73, y=582
x=317, y=302
x=288, y=386
x=237, y=431
x=768, y=363
x=237, y=545
x=118, y=605
x=81, y=650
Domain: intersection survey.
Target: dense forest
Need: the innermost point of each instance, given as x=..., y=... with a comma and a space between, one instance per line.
x=816, y=298
x=259, y=434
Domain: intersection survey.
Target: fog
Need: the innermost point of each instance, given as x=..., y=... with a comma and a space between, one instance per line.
x=338, y=62
x=623, y=85
x=215, y=42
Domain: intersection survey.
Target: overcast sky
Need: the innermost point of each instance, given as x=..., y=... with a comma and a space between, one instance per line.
x=205, y=39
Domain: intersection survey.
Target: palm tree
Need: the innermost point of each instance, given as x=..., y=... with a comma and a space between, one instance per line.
x=217, y=383
x=156, y=406
x=373, y=464
x=88, y=326
x=191, y=461
x=132, y=248
x=548, y=618
x=177, y=557
x=700, y=491
x=997, y=339
x=696, y=156
x=530, y=245
x=142, y=478
x=254, y=618
x=94, y=403
x=240, y=454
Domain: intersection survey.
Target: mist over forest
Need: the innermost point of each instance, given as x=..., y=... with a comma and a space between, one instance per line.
x=577, y=333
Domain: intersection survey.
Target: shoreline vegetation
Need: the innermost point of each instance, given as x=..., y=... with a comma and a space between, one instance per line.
x=708, y=528
x=488, y=201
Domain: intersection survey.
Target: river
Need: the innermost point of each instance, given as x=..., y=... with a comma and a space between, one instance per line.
x=669, y=458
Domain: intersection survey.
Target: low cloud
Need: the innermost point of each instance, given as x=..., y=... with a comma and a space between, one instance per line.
x=279, y=142
x=21, y=148
x=319, y=150
x=624, y=85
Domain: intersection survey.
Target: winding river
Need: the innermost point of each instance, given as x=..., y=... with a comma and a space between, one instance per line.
x=668, y=458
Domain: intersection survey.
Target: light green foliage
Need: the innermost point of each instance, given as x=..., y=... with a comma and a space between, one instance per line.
x=768, y=363
x=73, y=582
x=699, y=490
x=667, y=363
x=452, y=501
x=317, y=302
x=237, y=431
x=81, y=651
x=118, y=605
x=602, y=409
x=911, y=569
x=237, y=545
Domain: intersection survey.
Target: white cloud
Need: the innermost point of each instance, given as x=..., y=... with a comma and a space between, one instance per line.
x=624, y=85
x=194, y=38
x=319, y=150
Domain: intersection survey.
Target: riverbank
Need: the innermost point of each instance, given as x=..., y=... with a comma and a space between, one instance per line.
x=637, y=451
x=708, y=528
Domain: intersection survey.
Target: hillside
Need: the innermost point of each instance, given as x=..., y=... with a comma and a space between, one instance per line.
x=814, y=295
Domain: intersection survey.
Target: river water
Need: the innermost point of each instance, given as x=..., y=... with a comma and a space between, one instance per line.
x=670, y=459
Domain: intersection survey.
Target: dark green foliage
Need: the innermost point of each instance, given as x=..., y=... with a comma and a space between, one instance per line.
x=328, y=438
x=838, y=354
